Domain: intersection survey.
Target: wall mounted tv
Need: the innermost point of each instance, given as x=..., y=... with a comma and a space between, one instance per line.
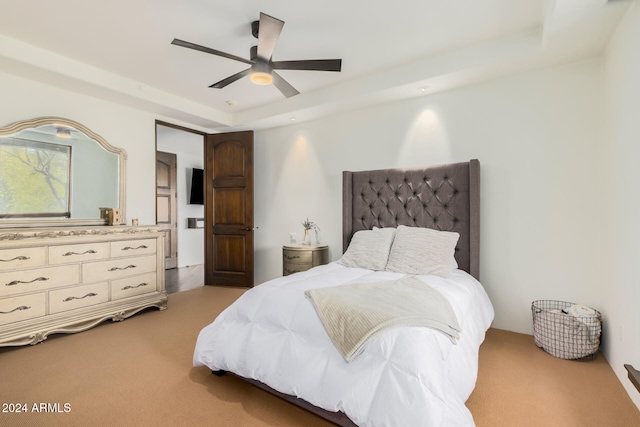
x=197, y=187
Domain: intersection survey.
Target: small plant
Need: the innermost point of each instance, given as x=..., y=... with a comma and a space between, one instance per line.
x=310, y=225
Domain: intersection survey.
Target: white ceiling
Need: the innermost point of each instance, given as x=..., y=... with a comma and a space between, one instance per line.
x=120, y=50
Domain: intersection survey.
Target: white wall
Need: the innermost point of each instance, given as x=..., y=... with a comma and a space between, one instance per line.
x=122, y=127
x=535, y=135
x=621, y=152
x=188, y=148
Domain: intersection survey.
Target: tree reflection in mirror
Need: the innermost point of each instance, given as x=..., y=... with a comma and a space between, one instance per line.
x=34, y=179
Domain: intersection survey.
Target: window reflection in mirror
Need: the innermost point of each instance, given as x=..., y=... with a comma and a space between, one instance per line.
x=34, y=179
x=57, y=168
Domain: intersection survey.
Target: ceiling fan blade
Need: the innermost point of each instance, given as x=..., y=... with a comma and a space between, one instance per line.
x=231, y=79
x=309, y=64
x=268, y=34
x=283, y=86
x=194, y=46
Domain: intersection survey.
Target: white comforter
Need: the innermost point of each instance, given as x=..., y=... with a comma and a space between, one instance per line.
x=407, y=376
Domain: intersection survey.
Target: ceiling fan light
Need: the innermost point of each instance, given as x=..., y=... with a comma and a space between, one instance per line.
x=261, y=78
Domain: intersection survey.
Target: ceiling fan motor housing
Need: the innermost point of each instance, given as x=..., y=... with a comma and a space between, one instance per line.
x=261, y=66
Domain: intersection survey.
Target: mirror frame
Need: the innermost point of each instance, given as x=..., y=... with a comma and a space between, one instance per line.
x=68, y=222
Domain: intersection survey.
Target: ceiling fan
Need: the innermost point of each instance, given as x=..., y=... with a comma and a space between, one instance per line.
x=261, y=72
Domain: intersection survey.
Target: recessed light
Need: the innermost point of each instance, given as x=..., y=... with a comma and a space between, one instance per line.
x=293, y=119
x=231, y=102
x=423, y=89
x=63, y=132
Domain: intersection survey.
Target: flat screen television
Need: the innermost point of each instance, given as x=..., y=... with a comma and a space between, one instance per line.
x=197, y=187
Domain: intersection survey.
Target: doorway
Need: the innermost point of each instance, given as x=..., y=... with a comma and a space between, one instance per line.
x=185, y=262
x=223, y=223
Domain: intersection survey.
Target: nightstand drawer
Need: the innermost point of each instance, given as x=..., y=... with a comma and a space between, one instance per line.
x=77, y=297
x=22, y=258
x=22, y=308
x=288, y=269
x=297, y=257
x=72, y=253
x=301, y=258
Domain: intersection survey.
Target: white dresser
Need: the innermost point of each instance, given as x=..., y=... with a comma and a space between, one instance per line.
x=69, y=279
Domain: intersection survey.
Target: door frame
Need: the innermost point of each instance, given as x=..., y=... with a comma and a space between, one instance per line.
x=181, y=128
x=204, y=135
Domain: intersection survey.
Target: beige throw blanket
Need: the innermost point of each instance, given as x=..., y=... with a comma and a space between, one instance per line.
x=352, y=314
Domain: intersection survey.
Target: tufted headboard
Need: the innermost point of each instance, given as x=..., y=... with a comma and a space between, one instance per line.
x=443, y=197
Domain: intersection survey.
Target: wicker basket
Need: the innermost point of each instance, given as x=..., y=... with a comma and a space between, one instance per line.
x=563, y=335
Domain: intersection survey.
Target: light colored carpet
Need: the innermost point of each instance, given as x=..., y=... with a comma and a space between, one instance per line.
x=521, y=385
x=138, y=373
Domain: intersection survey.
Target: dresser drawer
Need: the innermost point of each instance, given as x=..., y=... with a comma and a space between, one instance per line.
x=132, y=286
x=73, y=253
x=133, y=247
x=23, y=307
x=22, y=258
x=297, y=257
x=77, y=297
x=117, y=268
x=38, y=279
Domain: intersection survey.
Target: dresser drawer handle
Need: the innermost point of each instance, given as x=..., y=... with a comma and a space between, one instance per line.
x=123, y=268
x=90, y=294
x=19, y=258
x=90, y=251
x=133, y=287
x=129, y=248
x=22, y=307
x=17, y=282
x=292, y=257
x=292, y=271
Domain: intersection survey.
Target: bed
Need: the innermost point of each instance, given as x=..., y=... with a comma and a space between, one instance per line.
x=407, y=375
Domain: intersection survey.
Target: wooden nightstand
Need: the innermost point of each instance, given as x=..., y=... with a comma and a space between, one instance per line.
x=297, y=258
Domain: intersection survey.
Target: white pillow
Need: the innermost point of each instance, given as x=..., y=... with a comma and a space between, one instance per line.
x=369, y=249
x=454, y=262
x=422, y=251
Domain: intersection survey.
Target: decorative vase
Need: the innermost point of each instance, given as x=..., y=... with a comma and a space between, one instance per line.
x=306, y=240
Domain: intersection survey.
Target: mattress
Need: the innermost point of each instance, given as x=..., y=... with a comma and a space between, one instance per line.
x=405, y=376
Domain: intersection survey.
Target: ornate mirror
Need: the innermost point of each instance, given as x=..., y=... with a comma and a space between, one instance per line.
x=54, y=171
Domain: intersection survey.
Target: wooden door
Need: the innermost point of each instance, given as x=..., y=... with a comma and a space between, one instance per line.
x=166, y=195
x=229, y=209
